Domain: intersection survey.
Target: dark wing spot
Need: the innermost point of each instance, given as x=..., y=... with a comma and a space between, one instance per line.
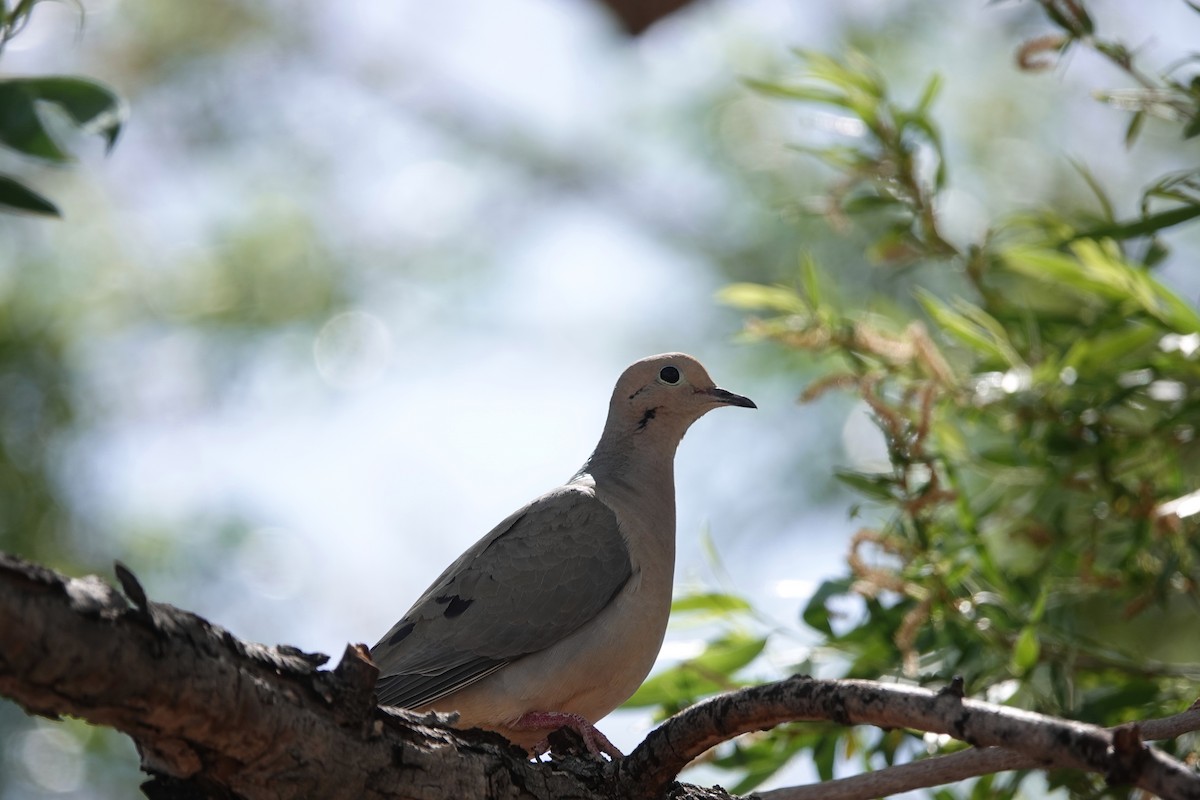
x=401, y=633
x=455, y=605
x=649, y=415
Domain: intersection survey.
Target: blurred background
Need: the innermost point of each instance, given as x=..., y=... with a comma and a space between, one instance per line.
x=357, y=280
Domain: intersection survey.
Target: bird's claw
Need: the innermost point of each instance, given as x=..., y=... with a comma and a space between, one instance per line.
x=595, y=741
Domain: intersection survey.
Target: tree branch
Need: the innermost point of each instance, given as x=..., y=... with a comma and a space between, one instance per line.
x=940, y=770
x=1049, y=742
x=215, y=717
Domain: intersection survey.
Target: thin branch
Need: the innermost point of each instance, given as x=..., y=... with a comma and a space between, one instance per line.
x=906, y=777
x=940, y=770
x=1052, y=743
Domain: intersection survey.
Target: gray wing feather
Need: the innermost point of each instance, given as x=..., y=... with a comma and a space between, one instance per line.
x=416, y=690
x=533, y=580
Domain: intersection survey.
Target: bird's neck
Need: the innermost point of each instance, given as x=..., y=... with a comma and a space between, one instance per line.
x=643, y=458
x=641, y=462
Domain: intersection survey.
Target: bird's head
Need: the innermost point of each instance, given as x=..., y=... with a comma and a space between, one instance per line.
x=664, y=394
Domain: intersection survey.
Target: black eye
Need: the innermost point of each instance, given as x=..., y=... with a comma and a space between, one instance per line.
x=669, y=375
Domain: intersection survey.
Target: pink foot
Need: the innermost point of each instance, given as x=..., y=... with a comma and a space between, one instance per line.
x=595, y=741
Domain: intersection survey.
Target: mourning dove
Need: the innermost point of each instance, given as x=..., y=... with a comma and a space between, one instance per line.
x=555, y=617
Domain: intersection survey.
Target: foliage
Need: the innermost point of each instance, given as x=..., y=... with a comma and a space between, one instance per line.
x=76, y=301
x=33, y=378
x=1036, y=532
x=89, y=105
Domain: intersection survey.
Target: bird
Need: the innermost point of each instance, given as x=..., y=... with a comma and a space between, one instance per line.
x=556, y=616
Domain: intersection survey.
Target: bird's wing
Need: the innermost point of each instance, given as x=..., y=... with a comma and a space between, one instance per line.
x=534, y=579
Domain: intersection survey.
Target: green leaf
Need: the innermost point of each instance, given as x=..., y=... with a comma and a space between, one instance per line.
x=1066, y=271
x=933, y=87
x=1147, y=225
x=972, y=326
x=1192, y=129
x=15, y=196
x=21, y=127
x=848, y=159
x=816, y=614
x=717, y=602
x=877, y=486
x=809, y=94
x=825, y=756
x=761, y=757
x=1098, y=191
x=1108, y=702
x=90, y=105
x=758, y=296
x=896, y=246
x=1098, y=268
x=810, y=281
x=14, y=21
x=934, y=137
x=708, y=673
x=1026, y=652
x=854, y=78
x=1102, y=350
x=1156, y=251
x=1039, y=607
x=863, y=203
x=1136, y=123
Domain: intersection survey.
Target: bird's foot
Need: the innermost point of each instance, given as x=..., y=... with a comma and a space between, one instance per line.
x=595, y=741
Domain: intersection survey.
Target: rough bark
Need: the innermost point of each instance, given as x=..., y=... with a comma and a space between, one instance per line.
x=215, y=717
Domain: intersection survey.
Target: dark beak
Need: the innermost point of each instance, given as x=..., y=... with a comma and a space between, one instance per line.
x=728, y=398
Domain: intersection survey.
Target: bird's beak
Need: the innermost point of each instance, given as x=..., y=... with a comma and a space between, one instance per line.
x=728, y=398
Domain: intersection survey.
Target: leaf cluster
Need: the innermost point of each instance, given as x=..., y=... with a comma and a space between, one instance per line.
x=1173, y=95
x=1036, y=531
x=884, y=172
x=26, y=124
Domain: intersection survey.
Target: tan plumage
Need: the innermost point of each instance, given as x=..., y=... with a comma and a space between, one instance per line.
x=556, y=615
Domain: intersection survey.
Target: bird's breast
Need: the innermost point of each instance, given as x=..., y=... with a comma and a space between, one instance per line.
x=600, y=665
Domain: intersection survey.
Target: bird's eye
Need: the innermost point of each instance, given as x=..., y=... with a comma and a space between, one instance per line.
x=669, y=375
